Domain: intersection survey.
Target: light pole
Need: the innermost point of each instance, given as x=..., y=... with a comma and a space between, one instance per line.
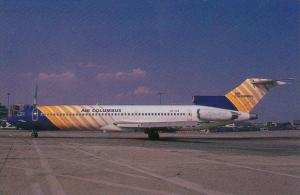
x=8, y=106
x=160, y=94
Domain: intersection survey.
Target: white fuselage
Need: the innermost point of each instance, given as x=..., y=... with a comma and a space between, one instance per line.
x=131, y=117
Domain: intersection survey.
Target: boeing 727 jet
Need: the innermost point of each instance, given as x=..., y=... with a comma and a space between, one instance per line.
x=207, y=112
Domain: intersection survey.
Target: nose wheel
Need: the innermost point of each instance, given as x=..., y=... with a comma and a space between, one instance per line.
x=34, y=134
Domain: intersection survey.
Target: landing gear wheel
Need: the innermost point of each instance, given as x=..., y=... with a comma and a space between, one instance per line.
x=153, y=135
x=34, y=134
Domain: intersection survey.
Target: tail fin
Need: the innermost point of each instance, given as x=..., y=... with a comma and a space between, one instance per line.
x=247, y=95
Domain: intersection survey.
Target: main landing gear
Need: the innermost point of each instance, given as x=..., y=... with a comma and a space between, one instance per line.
x=34, y=134
x=153, y=135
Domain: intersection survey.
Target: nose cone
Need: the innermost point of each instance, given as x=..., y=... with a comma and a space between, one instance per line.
x=253, y=116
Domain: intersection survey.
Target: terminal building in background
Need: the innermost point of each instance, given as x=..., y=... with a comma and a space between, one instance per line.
x=3, y=111
x=14, y=109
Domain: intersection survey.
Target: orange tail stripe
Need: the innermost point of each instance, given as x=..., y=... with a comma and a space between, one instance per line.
x=250, y=88
x=244, y=102
x=235, y=102
x=53, y=119
x=246, y=93
x=63, y=118
x=72, y=118
x=83, y=118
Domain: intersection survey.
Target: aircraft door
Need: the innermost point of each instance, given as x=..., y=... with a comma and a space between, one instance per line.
x=189, y=115
x=35, y=114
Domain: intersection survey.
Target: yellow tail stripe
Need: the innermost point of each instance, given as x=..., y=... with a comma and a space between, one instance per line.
x=250, y=88
x=72, y=118
x=250, y=98
x=249, y=92
x=235, y=102
x=243, y=101
x=83, y=118
x=53, y=119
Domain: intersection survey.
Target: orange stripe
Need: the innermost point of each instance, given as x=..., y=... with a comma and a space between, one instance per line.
x=246, y=93
x=102, y=118
x=83, y=118
x=244, y=102
x=95, y=121
x=74, y=119
x=63, y=118
x=235, y=102
x=252, y=90
x=53, y=119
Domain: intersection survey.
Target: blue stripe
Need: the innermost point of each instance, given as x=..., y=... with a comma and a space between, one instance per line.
x=214, y=101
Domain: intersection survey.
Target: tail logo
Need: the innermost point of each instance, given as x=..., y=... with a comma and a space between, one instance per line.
x=247, y=95
x=239, y=95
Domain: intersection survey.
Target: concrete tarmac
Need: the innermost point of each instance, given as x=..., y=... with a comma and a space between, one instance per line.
x=74, y=162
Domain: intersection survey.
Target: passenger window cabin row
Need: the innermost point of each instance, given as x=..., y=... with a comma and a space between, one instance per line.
x=116, y=114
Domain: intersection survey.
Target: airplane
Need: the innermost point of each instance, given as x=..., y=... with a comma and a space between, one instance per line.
x=207, y=112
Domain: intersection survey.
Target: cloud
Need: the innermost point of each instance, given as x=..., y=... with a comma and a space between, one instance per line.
x=56, y=76
x=142, y=90
x=139, y=91
x=135, y=74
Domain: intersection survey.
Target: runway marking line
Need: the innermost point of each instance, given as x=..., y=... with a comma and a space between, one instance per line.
x=91, y=180
x=55, y=186
x=251, y=168
x=116, y=185
x=108, y=170
x=177, y=181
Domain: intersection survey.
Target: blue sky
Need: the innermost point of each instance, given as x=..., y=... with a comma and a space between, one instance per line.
x=123, y=52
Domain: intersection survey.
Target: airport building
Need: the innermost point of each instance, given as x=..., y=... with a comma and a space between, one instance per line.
x=14, y=109
x=296, y=124
x=3, y=111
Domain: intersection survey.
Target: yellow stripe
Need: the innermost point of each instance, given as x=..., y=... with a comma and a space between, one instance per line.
x=63, y=118
x=95, y=121
x=235, y=102
x=244, y=102
x=249, y=96
x=250, y=88
x=102, y=118
x=58, y=117
x=83, y=118
x=74, y=119
x=53, y=119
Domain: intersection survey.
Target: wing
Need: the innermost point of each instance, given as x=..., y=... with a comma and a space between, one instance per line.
x=155, y=125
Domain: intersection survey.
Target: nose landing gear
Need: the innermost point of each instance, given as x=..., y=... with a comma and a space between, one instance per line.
x=34, y=134
x=153, y=135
